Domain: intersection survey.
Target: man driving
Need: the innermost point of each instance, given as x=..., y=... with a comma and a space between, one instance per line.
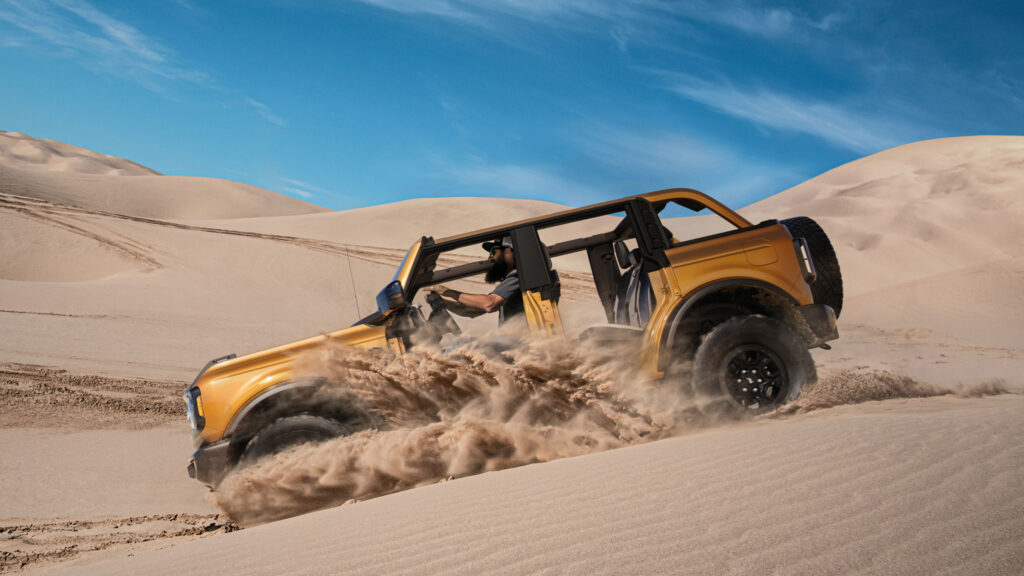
x=507, y=296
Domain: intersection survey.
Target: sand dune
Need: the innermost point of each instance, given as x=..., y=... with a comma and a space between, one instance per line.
x=916, y=211
x=24, y=151
x=65, y=174
x=399, y=224
x=897, y=487
x=169, y=295
x=179, y=292
x=117, y=283
x=929, y=237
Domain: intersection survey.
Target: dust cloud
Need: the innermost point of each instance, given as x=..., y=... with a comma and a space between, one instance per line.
x=483, y=406
x=458, y=412
x=857, y=387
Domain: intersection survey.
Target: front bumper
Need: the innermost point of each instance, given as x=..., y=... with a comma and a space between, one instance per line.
x=210, y=463
x=821, y=320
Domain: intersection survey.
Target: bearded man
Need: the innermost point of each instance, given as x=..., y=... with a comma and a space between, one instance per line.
x=506, y=298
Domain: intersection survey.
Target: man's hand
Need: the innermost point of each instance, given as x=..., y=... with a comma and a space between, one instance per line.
x=434, y=299
x=445, y=292
x=463, y=303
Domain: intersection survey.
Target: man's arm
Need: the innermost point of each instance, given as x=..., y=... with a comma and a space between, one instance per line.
x=466, y=304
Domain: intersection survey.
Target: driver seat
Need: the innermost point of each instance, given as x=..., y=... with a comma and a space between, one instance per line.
x=634, y=303
x=635, y=299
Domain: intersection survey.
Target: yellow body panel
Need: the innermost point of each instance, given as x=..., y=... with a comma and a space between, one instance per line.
x=758, y=255
x=405, y=268
x=230, y=385
x=542, y=315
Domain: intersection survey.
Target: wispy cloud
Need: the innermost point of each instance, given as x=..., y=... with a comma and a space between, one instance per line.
x=836, y=124
x=484, y=12
x=739, y=15
x=520, y=181
x=303, y=189
x=264, y=111
x=663, y=159
x=652, y=152
x=98, y=40
x=451, y=9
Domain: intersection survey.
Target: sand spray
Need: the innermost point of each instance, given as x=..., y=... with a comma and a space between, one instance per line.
x=482, y=406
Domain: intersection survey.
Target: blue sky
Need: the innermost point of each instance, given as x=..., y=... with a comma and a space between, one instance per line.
x=352, y=103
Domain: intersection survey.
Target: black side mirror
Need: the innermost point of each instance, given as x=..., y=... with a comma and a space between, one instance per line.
x=391, y=297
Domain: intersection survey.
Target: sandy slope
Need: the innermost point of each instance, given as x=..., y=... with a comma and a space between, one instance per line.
x=929, y=236
x=65, y=174
x=924, y=231
x=899, y=487
x=108, y=269
x=399, y=224
x=24, y=151
x=164, y=297
x=125, y=295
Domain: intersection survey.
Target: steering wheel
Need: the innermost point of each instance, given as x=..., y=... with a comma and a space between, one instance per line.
x=440, y=317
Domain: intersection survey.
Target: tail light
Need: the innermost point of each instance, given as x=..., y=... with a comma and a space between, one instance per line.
x=803, y=254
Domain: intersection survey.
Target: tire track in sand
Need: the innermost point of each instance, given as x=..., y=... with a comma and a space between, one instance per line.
x=44, y=397
x=30, y=543
x=575, y=285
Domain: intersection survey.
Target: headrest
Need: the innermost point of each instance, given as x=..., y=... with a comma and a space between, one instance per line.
x=622, y=254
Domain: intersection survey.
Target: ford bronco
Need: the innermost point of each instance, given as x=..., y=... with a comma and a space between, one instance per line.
x=740, y=309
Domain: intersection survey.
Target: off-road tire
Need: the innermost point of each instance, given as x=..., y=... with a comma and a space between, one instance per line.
x=754, y=364
x=828, y=287
x=289, y=432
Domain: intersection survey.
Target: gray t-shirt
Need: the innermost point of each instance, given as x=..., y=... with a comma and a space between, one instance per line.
x=513, y=295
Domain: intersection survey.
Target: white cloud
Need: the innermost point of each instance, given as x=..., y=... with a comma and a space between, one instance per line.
x=303, y=189
x=518, y=181
x=836, y=124
x=645, y=14
x=264, y=111
x=669, y=159
x=771, y=23
x=622, y=35
x=651, y=152
x=98, y=40
x=444, y=8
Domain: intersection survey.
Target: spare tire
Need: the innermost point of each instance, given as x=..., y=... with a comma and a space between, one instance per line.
x=828, y=287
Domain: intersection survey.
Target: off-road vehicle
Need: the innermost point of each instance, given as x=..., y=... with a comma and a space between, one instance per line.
x=739, y=308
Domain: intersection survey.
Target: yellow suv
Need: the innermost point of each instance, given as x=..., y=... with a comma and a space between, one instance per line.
x=739, y=309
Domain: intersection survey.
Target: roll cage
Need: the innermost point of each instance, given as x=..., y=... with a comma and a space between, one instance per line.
x=533, y=258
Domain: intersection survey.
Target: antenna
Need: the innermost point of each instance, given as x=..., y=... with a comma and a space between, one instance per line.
x=352, y=277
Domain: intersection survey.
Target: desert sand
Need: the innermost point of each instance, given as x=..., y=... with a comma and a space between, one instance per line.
x=118, y=283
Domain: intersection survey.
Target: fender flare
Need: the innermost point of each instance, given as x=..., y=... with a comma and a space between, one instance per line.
x=693, y=298
x=273, y=391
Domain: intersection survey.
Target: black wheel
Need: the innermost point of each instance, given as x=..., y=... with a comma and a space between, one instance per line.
x=289, y=432
x=828, y=288
x=756, y=364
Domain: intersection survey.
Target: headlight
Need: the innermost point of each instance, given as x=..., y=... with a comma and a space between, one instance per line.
x=194, y=409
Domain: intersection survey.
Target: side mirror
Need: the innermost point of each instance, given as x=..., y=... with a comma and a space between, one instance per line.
x=391, y=297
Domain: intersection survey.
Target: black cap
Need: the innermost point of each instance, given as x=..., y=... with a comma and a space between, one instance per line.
x=505, y=242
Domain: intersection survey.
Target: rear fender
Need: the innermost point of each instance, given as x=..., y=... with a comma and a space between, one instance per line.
x=781, y=306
